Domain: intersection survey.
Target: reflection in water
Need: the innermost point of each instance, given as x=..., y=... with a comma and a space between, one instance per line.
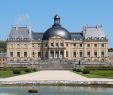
x=57, y=90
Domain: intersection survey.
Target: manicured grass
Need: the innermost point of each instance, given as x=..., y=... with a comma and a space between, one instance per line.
x=98, y=74
x=9, y=73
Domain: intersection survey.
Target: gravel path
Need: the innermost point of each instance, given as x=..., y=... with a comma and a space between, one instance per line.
x=53, y=75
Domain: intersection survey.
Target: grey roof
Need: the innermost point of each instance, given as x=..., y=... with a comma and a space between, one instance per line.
x=94, y=32
x=19, y=33
x=76, y=35
x=37, y=35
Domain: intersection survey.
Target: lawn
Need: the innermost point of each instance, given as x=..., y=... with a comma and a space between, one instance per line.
x=98, y=74
x=9, y=73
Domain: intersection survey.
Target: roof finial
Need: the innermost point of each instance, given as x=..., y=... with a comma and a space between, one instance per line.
x=56, y=20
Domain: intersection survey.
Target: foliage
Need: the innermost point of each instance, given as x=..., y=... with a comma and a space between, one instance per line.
x=16, y=71
x=85, y=71
x=3, y=45
x=74, y=69
x=78, y=70
x=27, y=70
x=99, y=67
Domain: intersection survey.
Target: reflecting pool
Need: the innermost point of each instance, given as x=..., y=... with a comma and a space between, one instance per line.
x=56, y=90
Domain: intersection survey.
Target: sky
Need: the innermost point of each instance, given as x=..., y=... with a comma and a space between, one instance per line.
x=39, y=14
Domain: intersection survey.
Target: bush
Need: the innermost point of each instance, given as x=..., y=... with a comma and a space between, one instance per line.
x=85, y=71
x=74, y=69
x=34, y=69
x=27, y=70
x=16, y=71
x=78, y=70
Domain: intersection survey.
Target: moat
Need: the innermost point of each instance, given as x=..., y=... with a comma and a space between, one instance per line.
x=56, y=90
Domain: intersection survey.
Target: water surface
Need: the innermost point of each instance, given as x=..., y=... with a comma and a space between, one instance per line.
x=57, y=90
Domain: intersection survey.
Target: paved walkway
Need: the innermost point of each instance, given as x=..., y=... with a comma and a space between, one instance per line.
x=53, y=75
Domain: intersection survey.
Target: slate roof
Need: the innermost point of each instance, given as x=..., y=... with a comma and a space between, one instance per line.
x=19, y=33
x=76, y=35
x=23, y=33
x=94, y=32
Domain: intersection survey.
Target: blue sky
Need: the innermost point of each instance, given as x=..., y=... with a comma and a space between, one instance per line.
x=74, y=14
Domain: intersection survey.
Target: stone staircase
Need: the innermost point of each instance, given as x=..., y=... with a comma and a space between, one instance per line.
x=54, y=66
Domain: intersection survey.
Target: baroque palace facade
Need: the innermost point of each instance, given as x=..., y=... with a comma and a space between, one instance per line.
x=57, y=43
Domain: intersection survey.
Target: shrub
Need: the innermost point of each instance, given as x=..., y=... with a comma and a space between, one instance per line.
x=85, y=71
x=34, y=69
x=16, y=71
x=78, y=70
x=74, y=69
x=27, y=70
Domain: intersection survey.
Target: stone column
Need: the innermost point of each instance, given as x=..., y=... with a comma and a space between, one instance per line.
x=59, y=53
x=49, y=54
x=54, y=54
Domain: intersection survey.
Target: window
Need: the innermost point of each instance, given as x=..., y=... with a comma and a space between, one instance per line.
x=45, y=45
x=74, y=54
x=80, y=53
x=52, y=44
x=88, y=45
x=18, y=54
x=88, y=53
x=102, y=45
x=95, y=45
x=74, y=44
x=25, y=54
x=25, y=45
x=80, y=45
x=11, y=54
x=39, y=54
x=61, y=44
x=33, y=53
x=67, y=44
x=18, y=46
x=57, y=44
x=102, y=54
x=95, y=53
x=66, y=53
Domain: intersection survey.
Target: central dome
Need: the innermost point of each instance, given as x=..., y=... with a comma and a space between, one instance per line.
x=56, y=30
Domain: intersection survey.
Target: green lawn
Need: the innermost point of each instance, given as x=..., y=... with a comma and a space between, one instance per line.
x=9, y=73
x=98, y=74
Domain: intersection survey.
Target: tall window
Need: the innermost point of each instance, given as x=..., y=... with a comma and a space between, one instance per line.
x=25, y=54
x=52, y=44
x=67, y=44
x=39, y=54
x=18, y=45
x=80, y=45
x=74, y=54
x=95, y=53
x=57, y=44
x=74, y=44
x=18, y=54
x=102, y=54
x=102, y=45
x=95, y=45
x=33, y=54
x=66, y=53
x=11, y=54
x=62, y=44
x=88, y=53
x=88, y=45
x=80, y=53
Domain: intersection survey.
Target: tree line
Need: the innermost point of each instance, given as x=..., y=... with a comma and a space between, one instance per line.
x=3, y=46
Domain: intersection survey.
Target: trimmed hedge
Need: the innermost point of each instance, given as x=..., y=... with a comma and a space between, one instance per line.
x=99, y=67
x=78, y=70
x=27, y=70
x=85, y=71
x=74, y=69
x=16, y=71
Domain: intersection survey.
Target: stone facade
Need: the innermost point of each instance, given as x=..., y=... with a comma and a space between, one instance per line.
x=24, y=45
